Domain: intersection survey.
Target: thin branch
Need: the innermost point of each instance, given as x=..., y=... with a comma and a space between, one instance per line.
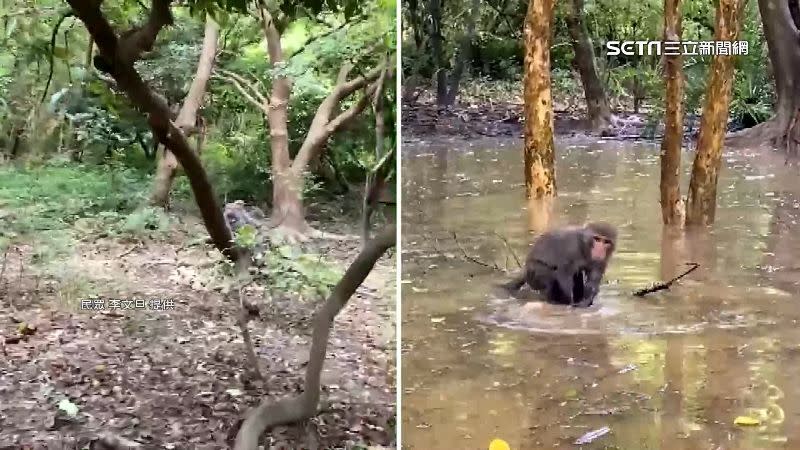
x=510, y=250
x=473, y=259
x=666, y=285
x=322, y=35
x=253, y=95
x=356, y=108
x=52, y=52
x=293, y=409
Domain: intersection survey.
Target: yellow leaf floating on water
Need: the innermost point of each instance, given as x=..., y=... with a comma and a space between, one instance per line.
x=746, y=421
x=499, y=444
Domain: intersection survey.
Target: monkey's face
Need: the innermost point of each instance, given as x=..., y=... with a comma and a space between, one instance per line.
x=602, y=248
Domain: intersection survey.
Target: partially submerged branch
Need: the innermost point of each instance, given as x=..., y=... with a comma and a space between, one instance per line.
x=303, y=406
x=473, y=259
x=666, y=285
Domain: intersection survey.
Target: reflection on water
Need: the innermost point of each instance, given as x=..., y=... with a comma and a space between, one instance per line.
x=671, y=370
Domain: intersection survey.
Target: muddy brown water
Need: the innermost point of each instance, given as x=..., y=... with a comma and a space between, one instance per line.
x=672, y=370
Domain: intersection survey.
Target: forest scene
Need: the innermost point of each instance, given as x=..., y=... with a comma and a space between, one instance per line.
x=197, y=224
x=599, y=250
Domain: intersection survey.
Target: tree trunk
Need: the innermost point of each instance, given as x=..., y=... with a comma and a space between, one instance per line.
x=539, y=156
x=294, y=409
x=373, y=180
x=187, y=117
x=702, y=200
x=157, y=111
x=671, y=204
x=596, y=102
x=435, y=33
x=783, y=41
x=464, y=54
x=288, y=214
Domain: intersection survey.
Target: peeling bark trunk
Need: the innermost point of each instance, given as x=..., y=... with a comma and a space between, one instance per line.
x=783, y=42
x=539, y=155
x=288, y=215
x=596, y=101
x=287, y=202
x=187, y=117
x=671, y=204
x=287, y=186
x=702, y=199
x=293, y=409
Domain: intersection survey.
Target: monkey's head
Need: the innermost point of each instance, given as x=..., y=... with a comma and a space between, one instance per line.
x=604, y=240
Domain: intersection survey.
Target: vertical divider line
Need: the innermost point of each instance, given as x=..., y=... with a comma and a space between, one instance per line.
x=398, y=212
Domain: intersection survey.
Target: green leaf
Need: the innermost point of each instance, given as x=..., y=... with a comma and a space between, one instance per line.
x=68, y=407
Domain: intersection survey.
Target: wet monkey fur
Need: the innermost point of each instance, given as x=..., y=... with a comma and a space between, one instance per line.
x=567, y=264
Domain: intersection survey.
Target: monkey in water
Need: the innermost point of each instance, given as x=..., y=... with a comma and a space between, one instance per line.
x=568, y=264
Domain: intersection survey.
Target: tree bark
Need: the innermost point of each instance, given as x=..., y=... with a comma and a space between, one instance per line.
x=303, y=406
x=372, y=179
x=464, y=54
x=671, y=203
x=288, y=214
x=539, y=154
x=702, y=199
x=120, y=55
x=437, y=44
x=187, y=117
x=783, y=42
x=596, y=101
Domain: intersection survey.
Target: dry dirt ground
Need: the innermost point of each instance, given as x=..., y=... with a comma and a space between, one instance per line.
x=174, y=378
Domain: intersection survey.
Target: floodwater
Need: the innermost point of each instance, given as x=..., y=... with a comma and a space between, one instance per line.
x=671, y=370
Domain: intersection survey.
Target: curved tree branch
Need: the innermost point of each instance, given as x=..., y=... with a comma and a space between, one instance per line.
x=158, y=112
x=52, y=50
x=305, y=405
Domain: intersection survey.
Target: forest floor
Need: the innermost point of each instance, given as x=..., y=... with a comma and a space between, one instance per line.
x=173, y=378
x=503, y=119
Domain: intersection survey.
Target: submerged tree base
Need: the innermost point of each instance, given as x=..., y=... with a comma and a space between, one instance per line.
x=776, y=133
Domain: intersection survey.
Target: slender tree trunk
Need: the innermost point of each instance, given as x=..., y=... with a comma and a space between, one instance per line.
x=702, y=200
x=539, y=155
x=287, y=184
x=464, y=53
x=783, y=41
x=596, y=101
x=436, y=38
x=373, y=180
x=671, y=203
x=187, y=117
x=303, y=406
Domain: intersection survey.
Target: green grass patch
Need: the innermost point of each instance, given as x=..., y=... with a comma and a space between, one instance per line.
x=51, y=205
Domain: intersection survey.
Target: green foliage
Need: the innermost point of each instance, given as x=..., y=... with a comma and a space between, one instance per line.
x=55, y=202
x=290, y=269
x=145, y=220
x=497, y=57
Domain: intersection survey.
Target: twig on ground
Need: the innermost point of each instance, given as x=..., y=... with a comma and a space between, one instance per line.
x=510, y=250
x=473, y=259
x=666, y=285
